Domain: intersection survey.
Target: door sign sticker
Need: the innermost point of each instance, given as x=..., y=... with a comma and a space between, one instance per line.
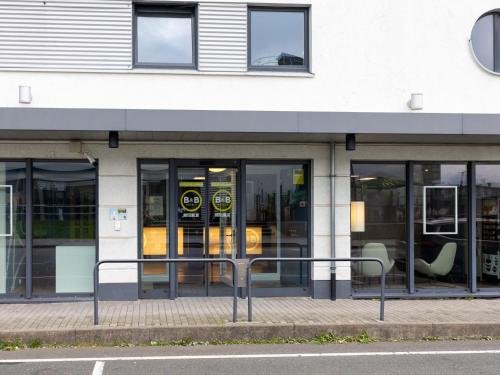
x=222, y=201
x=191, y=200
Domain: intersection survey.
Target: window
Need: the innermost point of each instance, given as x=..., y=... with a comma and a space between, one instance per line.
x=165, y=36
x=277, y=217
x=64, y=227
x=278, y=39
x=485, y=41
x=440, y=226
x=379, y=191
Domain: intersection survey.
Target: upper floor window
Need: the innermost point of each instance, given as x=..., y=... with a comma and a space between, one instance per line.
x=165, y=36
x=485, y=41
x=278, y=39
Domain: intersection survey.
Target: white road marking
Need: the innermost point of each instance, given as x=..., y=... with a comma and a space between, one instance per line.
x=250, y=356
x=98, y=368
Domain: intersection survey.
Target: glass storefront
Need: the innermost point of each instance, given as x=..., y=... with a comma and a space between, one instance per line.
x=62, y=217
x=380, y=190
x=208, y=217
x=417, y=218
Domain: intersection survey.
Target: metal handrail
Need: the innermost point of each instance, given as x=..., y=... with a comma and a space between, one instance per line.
x=175, y=260
x=310, y=260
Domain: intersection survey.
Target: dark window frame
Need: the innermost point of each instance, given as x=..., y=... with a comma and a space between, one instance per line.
x=307, y=44
x=171, y=11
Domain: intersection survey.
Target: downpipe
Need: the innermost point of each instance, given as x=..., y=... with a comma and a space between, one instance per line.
x=333, y=268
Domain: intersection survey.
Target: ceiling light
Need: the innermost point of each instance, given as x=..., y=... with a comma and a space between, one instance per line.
x=216, y=170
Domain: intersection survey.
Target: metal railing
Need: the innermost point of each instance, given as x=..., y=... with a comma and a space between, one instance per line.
x=310, y=260
x=176, y=260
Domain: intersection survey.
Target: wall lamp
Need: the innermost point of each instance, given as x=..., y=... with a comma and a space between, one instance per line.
x=416, y=102
x=25, y=95
x=113, y=139
x=350, y=142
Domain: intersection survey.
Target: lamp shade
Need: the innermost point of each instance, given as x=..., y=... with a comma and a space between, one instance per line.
x=357, y=216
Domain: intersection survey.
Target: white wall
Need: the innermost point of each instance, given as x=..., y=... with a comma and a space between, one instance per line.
x=366, y=56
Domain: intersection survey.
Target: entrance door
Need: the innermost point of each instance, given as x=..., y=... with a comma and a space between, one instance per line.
x=206, y=222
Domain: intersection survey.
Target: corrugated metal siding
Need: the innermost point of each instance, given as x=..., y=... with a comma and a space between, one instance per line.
x=66, y=34
x=222, y=37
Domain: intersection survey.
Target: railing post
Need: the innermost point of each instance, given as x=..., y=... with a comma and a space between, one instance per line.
x=382, y=290
x=96, y=293
x=249, y=290
x=235, y=292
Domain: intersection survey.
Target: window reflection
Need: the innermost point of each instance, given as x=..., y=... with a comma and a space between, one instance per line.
x=12, y=228
x=484, y=41
x=488, y=225
x=155, y=223
x=277, y=205
x=64, y=227
x=379, y=190
x=164, y=36
x=278, y=38
x=440, y=240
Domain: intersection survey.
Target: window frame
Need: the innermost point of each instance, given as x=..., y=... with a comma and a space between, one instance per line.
x=170, y=11
x=307, y=35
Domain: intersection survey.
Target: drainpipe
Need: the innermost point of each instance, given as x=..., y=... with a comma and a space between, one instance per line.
x=333, y=269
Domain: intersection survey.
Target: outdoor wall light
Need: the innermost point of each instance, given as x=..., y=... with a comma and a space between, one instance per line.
x=25, y=95
x=358, y=216
x=350, y=142
x=416, y=102
x=113, y=139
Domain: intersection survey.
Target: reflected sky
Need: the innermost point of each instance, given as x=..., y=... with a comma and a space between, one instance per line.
x=274, y=34
x=166, y=40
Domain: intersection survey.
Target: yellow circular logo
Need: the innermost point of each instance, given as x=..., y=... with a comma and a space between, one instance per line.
x=191, y=200
x=222, y=200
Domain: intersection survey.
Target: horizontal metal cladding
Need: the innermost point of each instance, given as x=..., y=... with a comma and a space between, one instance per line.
x=66, y=34
x=222, y=37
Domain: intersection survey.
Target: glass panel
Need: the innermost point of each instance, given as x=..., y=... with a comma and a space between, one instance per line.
x=12, y=228
x=155, y=227
x=277, y=200
x=166, y=39
x=482, y=40
x=378, y=191
x=191, y=216
x=277, y=38
x=222, y=183
x=440, y=244
x=488, y=225
x=64, y=227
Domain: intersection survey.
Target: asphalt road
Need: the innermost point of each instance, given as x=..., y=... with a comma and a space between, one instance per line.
x=443, y=358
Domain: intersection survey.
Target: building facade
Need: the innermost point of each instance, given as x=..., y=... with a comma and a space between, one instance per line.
x=228, y=129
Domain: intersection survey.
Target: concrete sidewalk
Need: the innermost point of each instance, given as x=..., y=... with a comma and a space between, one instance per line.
x=210, y=318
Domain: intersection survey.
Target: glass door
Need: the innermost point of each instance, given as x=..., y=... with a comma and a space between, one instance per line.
x=206, y=222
